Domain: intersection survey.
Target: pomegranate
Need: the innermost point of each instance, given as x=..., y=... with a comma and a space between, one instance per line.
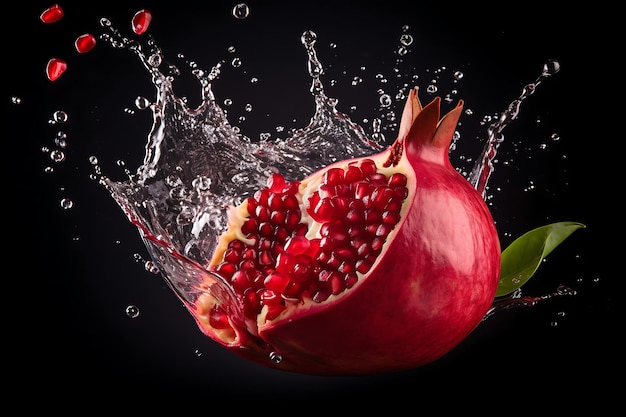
x=370, y=265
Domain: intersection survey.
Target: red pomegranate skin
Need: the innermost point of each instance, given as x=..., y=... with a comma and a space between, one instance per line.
x=428, y=290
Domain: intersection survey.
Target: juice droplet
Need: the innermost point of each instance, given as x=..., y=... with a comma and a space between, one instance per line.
x=141, y=21
x=52, y=14
x=55, y=68
x=85, y=43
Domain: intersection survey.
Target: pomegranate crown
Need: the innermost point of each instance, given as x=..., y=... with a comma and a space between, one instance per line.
x=422, y=128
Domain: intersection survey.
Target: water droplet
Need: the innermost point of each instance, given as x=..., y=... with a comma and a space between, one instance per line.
x=197, y=352
x=236, y=62
x=248, y=107
x=458, y=75
x=551, y=67
x=57, y=155
x=60, y=116
x=142, y=103
x=385, y=100
x=16, y=100
x=151, y=267
x=66, y=204
x=241, y=11
x=275, y=358
x=308, y=38
x=132, y=311
x=406, y=39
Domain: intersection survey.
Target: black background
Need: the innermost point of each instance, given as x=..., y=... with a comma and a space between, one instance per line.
x=69, y=274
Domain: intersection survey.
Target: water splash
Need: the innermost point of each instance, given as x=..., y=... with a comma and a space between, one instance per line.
x=517, y=300
x=483, y=168
x=197, y=166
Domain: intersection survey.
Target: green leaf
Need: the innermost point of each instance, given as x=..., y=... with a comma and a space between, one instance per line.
x=521, y=258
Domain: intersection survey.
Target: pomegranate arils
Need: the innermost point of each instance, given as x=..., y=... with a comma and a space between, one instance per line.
x=85, y=43
x=141, y=21
x=52, y=14
x=55, y=68
x=356, y=208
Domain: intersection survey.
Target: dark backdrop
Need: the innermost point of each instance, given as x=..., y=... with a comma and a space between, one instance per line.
x=70, y=274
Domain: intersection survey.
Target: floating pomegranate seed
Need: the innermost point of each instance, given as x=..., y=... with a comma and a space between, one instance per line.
x=52, y=14
x=141, y=21
x=55, y=68
x=85, y=43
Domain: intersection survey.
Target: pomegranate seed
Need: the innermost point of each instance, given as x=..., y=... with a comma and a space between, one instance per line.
x=226, y=269
x=281, y=234
x=390, y=218
x=251, y=303
x=324, y=211
x=262, y=213
x=353, y=174
x=289, y=201
x=368, y=167
x=266, y=258
x=363, y=265
x=297, y=245
x=291, y=188
x=274, y=202
x=276, y=183
x=362, y=190
x=232, y=255
x=218, y=319
x=333, y=176
x=273, y=311
x=292, y=218
x=397, y=180
x=320, y=296
x=141, y=21
x=336, y=284
x=250, y=226
x=266, y=229
x=270, y=297
x=52, y=14
x=240, y=281
x=377, y=178
x=55, y=68
x=276, y=282
x=85, y=43
x=351, y=279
